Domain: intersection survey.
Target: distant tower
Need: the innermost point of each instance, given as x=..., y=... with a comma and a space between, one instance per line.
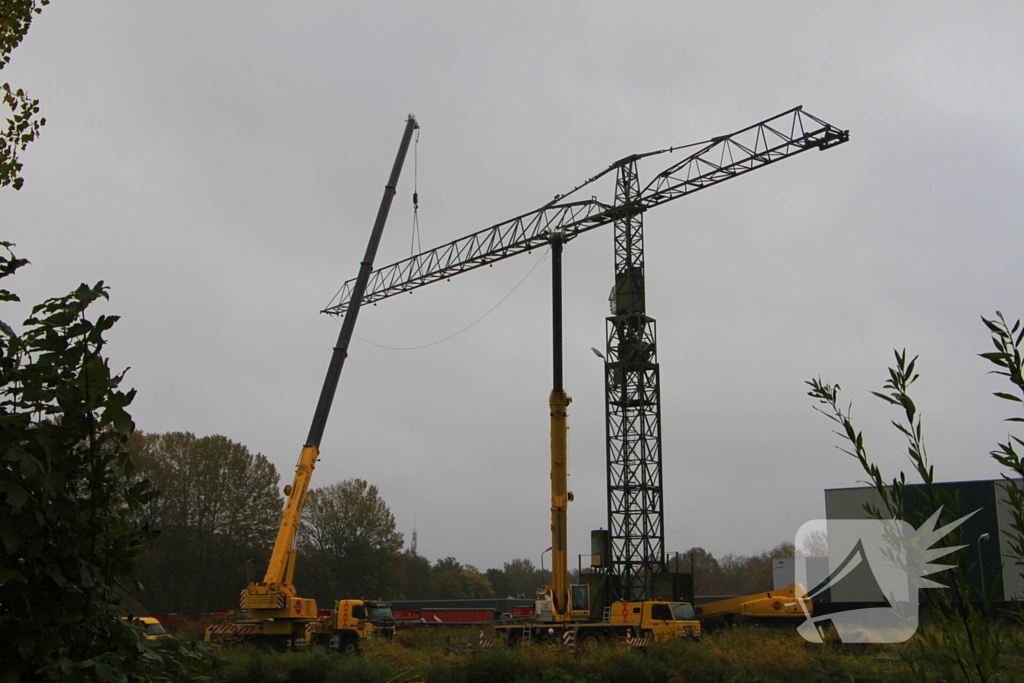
x=412, y=547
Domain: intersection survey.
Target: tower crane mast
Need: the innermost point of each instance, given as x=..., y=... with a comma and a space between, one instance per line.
x=632, y=392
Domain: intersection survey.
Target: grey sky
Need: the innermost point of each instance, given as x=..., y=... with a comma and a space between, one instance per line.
x=219, y=165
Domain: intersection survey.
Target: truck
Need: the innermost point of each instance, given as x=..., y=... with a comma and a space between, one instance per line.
x=345, y=628
x=276, y=615
x=633, y=623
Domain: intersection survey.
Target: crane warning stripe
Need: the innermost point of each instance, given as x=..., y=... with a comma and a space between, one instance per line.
x=240, y=629
x=641, y=641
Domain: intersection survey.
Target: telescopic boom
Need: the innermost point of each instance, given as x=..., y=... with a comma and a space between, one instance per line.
x=274, y=597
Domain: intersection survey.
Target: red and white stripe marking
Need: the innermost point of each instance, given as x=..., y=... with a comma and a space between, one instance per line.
x=237, y=629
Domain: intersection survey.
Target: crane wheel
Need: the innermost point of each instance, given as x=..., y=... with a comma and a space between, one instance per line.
x=590, y=642
x=349, y=646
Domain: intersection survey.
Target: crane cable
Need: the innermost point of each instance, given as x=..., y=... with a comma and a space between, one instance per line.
x=452, y=336
x=415, y=245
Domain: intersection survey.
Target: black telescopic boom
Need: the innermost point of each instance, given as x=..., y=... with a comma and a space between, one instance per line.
x=557, y=239
x=323, y=406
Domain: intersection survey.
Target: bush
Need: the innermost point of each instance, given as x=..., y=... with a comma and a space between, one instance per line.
x=315, y=666
x=68, y=494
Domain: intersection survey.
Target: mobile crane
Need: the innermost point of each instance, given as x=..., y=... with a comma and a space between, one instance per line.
x=633, y=454
x=276, y=615
x=564, y=610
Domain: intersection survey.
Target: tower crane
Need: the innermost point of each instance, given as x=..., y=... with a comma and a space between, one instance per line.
x=633, y=424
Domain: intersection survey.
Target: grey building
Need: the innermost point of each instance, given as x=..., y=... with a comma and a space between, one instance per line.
x=985, y=535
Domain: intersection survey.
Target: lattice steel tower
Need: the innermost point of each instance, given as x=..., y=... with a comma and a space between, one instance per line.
x=632, y=398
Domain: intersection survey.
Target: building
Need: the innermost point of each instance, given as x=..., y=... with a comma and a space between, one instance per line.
x=985, y=535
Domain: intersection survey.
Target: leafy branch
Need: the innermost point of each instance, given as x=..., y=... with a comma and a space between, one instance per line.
x=23, y=123
x=1007, y=340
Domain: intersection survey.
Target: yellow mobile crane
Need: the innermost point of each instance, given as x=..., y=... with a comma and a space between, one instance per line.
x=276, y=615
x=564, y=610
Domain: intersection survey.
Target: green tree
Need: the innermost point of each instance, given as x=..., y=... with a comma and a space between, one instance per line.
x=706, y=570
x=217, y=517
x=747, y=574
x=452, y=580
x=517, y=579
x=22, y=125
x=68, y=534
x=408, y=576
x=349, y=538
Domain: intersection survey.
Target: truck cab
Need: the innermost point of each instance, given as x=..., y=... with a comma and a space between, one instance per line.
x=656, y=619
x=354, y=621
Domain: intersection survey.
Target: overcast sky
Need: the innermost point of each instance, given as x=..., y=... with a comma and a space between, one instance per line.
x=219, y=165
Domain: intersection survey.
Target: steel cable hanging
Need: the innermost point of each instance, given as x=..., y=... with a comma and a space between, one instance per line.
x=415, y=244
x=452, y=336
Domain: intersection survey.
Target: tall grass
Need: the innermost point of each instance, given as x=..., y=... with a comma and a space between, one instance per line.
x=746, y=653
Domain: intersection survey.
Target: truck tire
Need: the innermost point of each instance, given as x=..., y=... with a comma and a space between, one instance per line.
x=590, y=642
x=349, y=646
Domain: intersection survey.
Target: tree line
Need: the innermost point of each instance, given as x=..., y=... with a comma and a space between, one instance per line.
x=218, y=514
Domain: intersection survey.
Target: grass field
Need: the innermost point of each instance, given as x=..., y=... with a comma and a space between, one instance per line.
x=738, y=654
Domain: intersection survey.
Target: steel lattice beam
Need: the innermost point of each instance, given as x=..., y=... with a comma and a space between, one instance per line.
x=714, y=161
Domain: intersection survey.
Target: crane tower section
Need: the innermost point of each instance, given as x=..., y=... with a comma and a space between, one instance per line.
x=632, y=401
